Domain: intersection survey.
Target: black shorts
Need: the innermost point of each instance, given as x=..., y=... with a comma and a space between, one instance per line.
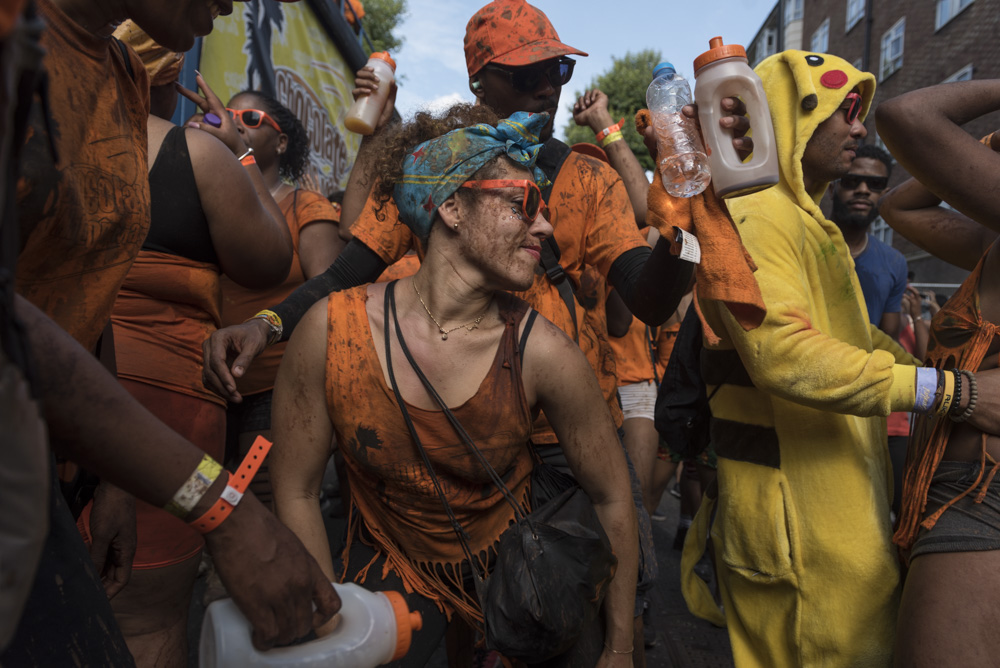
x=966, y=526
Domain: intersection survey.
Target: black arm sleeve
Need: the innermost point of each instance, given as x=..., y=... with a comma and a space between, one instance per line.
x=651, y=281
x=357, y=264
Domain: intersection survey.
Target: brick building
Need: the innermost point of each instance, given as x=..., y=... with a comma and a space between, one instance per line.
x=907, y=44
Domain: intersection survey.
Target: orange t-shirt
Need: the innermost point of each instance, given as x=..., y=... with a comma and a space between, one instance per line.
x=593, y=225
x=666, y=337
x=301, y=208
x=83, y=219
x=406, y=266
x=634, y=355
x=390, y=485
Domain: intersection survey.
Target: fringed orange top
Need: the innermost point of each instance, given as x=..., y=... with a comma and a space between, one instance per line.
x=959, y=338
x=391, y=490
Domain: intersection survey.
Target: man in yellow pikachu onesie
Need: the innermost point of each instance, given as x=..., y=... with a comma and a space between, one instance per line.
x=801, y=528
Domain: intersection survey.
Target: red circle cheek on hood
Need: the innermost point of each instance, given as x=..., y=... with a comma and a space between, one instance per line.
x=833, y=79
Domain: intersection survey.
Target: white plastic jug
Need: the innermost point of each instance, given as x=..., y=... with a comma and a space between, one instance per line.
x=375, y=628
x=364, y=113
x=722, y=72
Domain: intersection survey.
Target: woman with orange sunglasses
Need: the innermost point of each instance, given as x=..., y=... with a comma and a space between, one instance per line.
x=469, y=194
x=281, y=147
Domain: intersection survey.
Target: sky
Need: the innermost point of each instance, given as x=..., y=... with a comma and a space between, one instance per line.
x=431, y=62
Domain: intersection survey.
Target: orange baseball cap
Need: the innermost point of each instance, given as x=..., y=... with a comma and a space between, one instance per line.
x=514, y=33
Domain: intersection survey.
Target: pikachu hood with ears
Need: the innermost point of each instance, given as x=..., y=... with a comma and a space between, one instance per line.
x=806, y=567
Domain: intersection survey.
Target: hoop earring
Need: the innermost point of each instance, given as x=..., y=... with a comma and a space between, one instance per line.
x=476, y=85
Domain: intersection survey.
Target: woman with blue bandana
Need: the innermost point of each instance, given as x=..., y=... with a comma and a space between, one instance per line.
x=471, y=195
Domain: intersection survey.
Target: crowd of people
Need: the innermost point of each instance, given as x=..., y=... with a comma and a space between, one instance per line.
x=486, y=304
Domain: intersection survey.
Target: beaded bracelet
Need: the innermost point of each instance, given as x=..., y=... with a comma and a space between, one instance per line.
x=973, y=398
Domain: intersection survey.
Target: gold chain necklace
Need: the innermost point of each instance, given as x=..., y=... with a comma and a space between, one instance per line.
x=445, y=332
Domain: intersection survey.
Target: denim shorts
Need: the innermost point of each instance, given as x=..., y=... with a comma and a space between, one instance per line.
x=966, y=526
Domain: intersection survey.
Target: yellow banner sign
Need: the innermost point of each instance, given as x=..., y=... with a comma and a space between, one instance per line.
x=281, y=49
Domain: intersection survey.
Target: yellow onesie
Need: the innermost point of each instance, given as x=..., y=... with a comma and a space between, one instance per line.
x=801, y=528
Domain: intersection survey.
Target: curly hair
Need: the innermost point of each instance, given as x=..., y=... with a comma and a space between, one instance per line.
x=394, y=145
x=293, y=162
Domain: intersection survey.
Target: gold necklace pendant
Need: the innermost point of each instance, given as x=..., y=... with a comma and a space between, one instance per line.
x=445, y=332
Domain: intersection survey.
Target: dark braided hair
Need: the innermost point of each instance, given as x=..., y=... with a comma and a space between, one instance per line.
x=293, y=162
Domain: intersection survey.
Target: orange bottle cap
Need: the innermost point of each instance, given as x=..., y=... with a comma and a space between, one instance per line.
x=717, y=51
x=384, y=55
x=406, y=622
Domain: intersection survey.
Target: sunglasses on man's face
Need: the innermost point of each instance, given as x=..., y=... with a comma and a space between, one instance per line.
x=532, y=195
x=252, y=118
x=876, y=184
x=853, y=108
x=527, y=79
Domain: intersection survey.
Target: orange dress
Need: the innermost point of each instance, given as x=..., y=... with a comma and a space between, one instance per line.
x=390, y=487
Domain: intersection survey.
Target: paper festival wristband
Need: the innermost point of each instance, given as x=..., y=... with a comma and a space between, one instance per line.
x=190, y=493
x=926, y=390
x=611, y=129
x=611, y=139
x=235, y=488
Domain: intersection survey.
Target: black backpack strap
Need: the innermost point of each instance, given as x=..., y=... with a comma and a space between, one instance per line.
x=550, y=161
x=529, y=322
x=128, y=61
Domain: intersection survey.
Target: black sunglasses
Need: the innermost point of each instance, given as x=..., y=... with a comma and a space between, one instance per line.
x=527, y=79
x=876, y=184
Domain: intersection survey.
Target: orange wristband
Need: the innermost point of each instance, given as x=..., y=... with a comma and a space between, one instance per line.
x=233, y=493
x=249, y=160
x=609, y=130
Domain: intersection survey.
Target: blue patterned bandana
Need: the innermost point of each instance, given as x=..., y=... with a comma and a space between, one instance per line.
x=434, y=170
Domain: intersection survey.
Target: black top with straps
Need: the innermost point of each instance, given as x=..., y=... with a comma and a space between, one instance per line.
x=178, y=225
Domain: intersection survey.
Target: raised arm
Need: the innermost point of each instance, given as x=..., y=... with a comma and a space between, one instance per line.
x=923, y=130
x=591, y=110
x=558, y=379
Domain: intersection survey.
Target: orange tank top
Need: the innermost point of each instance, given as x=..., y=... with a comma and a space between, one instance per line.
x=959, y=339
x=391, y=489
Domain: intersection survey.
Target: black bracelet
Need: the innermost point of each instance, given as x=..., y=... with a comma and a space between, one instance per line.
x=954, y=410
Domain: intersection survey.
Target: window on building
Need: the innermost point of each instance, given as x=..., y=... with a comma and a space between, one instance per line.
x=857, y=64
x=964, y=74
x=855, y=12
x=793, y=10
x=767, y=45
x=821, y=38
x=947, y=10
x=881, y=231
x=892, y=49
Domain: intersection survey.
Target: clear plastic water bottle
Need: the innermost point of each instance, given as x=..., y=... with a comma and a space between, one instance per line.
x=683, y=164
